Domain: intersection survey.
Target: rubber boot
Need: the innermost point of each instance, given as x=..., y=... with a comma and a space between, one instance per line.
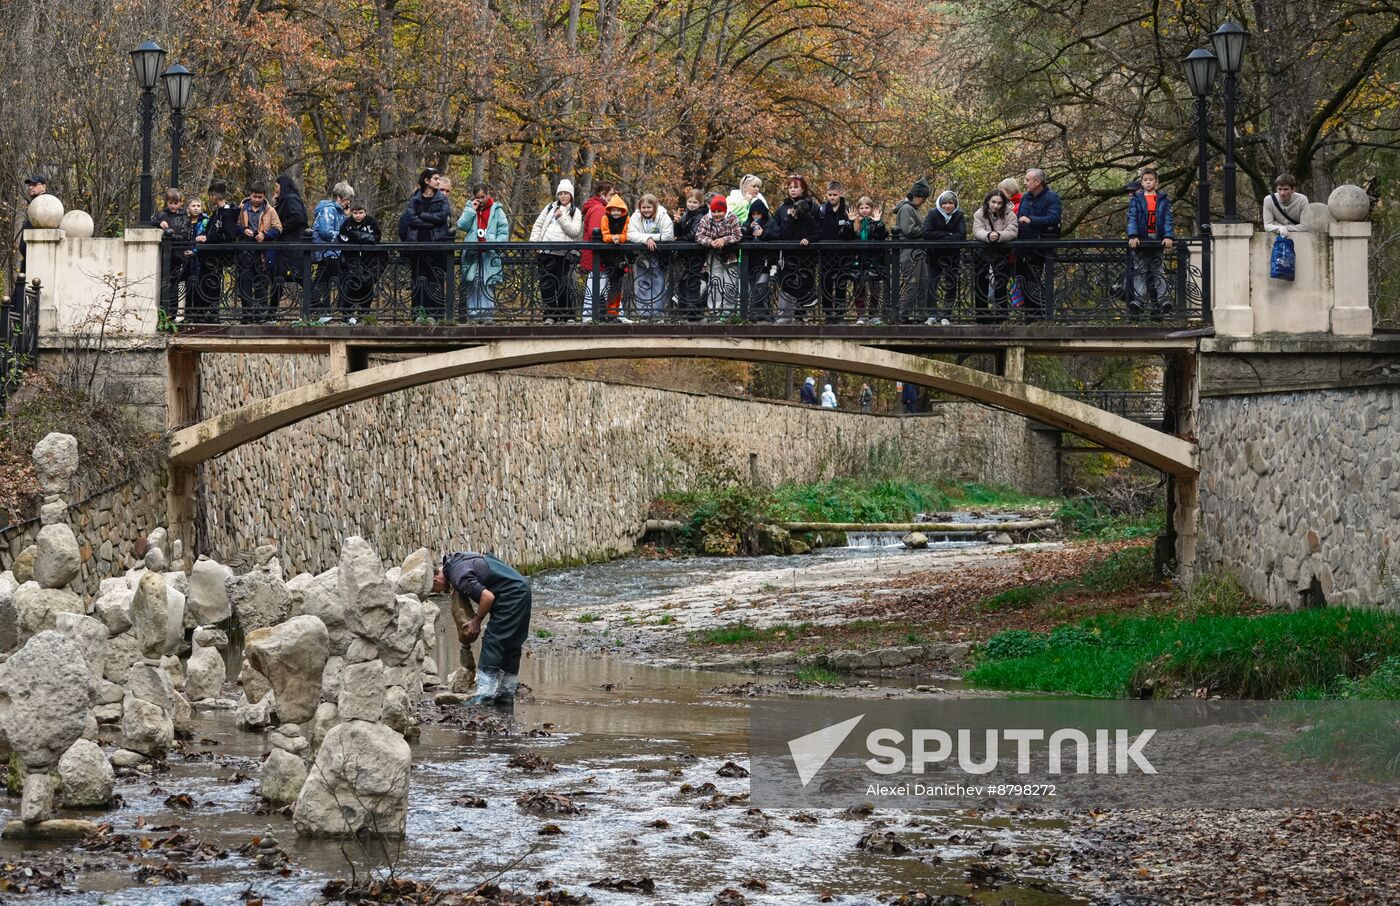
x=509, y=683
x=488, y=684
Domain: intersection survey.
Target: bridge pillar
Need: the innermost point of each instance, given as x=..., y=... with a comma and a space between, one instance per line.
x=181, y=410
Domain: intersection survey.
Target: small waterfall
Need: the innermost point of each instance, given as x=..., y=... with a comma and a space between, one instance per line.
x=882, y=540
x=869, y=540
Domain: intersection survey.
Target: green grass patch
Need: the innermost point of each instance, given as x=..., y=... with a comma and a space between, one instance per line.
x=666, y=619
x=543, y=634
x=818, y=675
x=1086, y=517
x=1272, y=656
x=743, y=634
x=589, y=618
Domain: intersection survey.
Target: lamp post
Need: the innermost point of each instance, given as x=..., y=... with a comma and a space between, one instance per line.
x=1202, y=69
x=146, y=61
x=178, y=82
x=1229, y=41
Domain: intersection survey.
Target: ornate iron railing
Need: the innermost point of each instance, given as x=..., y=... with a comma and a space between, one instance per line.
x=1145, y=406
x=1080, y=282
x=19, y=336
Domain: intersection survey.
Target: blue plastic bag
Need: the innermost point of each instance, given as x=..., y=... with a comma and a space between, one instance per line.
x=1281, y=264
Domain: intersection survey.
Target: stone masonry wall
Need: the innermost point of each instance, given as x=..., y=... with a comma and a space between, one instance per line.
x=107, y=525
x=1297, y=486
x=542, y=469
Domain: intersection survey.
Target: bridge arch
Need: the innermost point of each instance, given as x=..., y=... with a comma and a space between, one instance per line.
x=217, y=435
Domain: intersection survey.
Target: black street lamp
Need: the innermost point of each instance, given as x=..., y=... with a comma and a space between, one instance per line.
x=1202, y=69
x=178, y=82
x=1229, y=41
x=146, y=61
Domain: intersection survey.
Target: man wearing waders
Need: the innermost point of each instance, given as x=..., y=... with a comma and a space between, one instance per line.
x=491, y=588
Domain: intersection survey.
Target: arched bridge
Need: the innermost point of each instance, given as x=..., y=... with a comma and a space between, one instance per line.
x=195, y=443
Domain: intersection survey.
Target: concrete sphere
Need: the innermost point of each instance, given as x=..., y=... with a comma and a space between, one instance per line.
x=45, y=212
x=1349, y=203
x=77, y=225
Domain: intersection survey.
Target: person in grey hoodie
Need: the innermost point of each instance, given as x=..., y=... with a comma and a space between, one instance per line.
x=909, y=224
x=945, y=223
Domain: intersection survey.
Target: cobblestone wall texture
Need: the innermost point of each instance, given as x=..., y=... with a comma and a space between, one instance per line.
x=543, y=469
x=107, y=525
x=1303, y=486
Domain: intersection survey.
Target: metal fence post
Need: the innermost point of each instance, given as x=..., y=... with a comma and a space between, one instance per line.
x=449, y=308
x=595, y=280
x=891, y=313
x=308, y=284
x=745, y=287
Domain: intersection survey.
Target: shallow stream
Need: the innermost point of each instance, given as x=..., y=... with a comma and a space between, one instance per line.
x=625, y=738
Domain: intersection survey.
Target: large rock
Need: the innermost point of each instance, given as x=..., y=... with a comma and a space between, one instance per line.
x=57, y=560
x=362, y=691
x=330, y=678
x=89, y=635
x=416, y=577
x=368, y=597
x=113, y=608
x=259, y=599
x=327, y=716
x=56, y=462
x=36, y=804
x=37, y=608
x=292, y=656
x=358, y=784
x=23, y=566
x=9, y=615
x=257, y=715
x=174, y=620
x=147, y=728
x=181, y=715
x=320, y=597
x=122, y=652
x=254, y=684
x=151, y=684
x=150, y=615
x=396, y=644
x=45, y=698
x=208, y=598
x=398, y=712
x=85, y=776
x=204, y=674
x=281, y=778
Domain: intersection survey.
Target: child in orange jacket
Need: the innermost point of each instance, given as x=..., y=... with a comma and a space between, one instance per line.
x=613, y=231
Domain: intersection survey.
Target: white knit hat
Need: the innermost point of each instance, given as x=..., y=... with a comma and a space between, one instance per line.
x=565, y=185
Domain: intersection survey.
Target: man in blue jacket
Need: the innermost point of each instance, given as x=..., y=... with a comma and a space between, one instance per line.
x=1039, y=217
x=482, y=587
x=1150, y=221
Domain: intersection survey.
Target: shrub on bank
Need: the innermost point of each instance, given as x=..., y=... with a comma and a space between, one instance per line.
x=1271, y=656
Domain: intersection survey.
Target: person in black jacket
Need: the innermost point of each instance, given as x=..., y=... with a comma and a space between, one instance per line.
x=428, y=218
x=796, y=220
x=360, y=268
x=174, y=223
x=212, y=257
x=758, y=225
x=945, y=223
x=837, y=270
x=690, y=261
x=291, y=211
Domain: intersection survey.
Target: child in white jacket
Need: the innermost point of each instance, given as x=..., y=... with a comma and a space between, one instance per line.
x=560, y=221
x=650, y=225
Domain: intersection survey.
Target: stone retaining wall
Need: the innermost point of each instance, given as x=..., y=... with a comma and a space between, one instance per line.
x=107, y=525
x=541, y=469
x=1303, y=486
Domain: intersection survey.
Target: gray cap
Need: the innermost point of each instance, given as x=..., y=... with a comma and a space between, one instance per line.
x=36, y=179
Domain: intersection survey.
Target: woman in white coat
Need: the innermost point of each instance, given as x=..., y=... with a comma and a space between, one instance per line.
x=828, y=397
x=650, y=225
x=560, y=221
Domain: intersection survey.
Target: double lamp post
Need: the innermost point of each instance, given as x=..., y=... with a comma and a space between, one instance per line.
x=147, y=61
x=1203, y=68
